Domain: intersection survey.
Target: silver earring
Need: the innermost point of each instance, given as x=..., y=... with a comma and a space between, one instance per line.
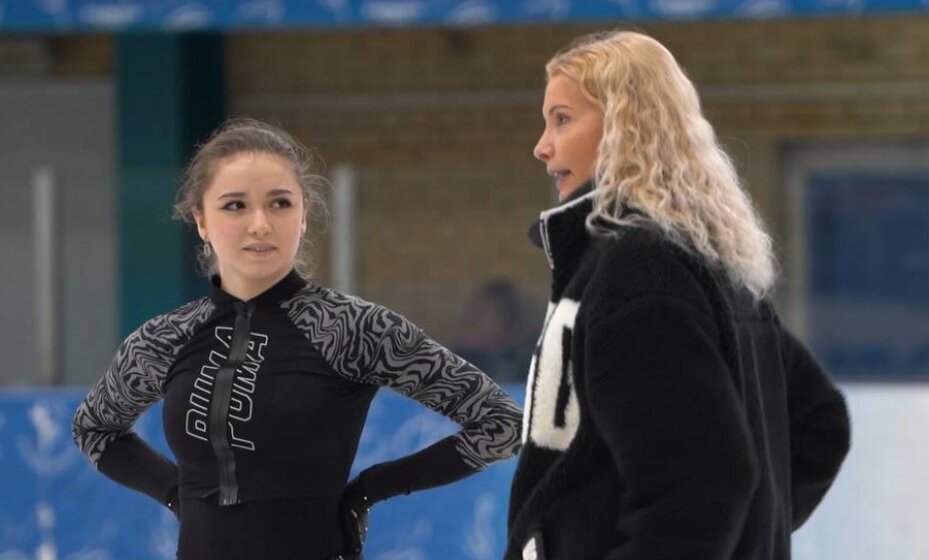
x=207, y=249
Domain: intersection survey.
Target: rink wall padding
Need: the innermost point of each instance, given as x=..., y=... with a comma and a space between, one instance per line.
x=55, y=505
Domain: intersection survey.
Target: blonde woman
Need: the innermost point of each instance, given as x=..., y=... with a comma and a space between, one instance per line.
x=668, y=414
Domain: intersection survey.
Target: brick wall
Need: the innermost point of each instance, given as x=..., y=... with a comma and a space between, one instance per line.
x=442, y=123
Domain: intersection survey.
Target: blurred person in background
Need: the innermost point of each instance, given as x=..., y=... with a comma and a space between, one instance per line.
x=495, y=334
x=268, y=380
x=668, y=413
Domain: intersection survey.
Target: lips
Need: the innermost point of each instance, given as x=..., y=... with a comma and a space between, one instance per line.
x=260, y=248
x=558, y=175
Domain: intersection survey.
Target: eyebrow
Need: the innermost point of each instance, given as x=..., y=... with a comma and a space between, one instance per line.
x=237, y=194
x=559, y=106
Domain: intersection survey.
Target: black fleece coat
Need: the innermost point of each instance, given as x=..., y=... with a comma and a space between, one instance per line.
x=668, y=414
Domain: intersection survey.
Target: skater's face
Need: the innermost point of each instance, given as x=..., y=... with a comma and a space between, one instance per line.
x=573, y=128
x=253, y=215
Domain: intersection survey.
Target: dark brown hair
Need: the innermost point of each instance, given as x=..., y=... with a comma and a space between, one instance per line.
x=242, y=135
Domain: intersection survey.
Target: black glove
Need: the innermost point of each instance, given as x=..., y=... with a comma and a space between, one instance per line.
x=173, y=502
x=353, y=512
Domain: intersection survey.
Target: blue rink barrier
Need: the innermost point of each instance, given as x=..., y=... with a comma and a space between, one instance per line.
x=55, y=506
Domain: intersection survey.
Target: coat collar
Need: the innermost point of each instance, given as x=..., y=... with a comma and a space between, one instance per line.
x=284, y=288
x=561, y=231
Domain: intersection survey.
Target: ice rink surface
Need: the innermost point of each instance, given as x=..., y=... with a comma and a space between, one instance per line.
x=879, y=506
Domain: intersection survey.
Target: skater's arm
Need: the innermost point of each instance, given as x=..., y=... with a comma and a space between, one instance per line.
x=407, y=361
x=102, y=426
x=368, y=343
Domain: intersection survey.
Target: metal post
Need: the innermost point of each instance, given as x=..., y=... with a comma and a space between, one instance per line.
x=344, y=223
x=45, y=220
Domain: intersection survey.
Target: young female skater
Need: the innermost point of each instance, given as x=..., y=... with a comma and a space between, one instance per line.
x=669, y=415
x=266, y=383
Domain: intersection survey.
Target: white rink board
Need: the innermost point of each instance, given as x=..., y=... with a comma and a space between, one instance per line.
x=878, y=508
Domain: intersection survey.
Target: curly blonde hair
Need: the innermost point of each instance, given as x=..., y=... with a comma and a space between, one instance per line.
x=660, y=156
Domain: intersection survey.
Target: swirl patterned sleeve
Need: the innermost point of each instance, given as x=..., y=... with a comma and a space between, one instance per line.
x=102, y=426
x=374, y=345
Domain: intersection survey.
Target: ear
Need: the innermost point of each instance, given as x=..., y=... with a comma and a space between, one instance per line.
x=201, y=225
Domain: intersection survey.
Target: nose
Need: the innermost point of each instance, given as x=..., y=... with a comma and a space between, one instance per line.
x=543, y=148
x=259, y=225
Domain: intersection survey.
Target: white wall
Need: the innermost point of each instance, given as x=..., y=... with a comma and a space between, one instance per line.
x=878, y=507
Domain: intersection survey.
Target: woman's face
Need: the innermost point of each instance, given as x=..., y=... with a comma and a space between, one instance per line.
x=573, y=127
x=253, y=215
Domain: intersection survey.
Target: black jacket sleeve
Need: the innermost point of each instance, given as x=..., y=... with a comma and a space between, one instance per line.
x=133, y=463
x=819, y=428
x=663, y=400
